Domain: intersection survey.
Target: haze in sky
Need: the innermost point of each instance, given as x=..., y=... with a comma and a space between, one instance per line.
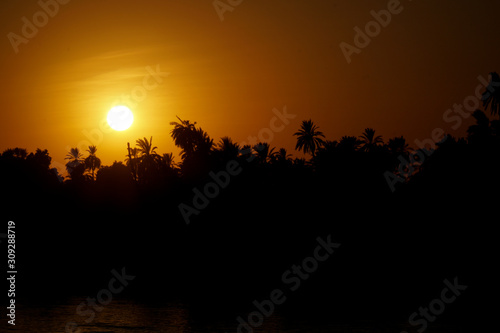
x=65, y=64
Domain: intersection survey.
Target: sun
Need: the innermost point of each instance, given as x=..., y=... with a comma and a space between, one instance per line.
x=120, y=118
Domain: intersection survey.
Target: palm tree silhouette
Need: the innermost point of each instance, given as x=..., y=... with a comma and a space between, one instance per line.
x=167, y=166
x=263, y=152
x=348, y=144
x=146, y=147
x=309, y=138
x=190, y=139
x=148, y=158
x=282, y=155
x=75, y=165
x=92, y=162
x=228, y=149
x=397, y=146
x=168, y=160
x=132, y=160
x=74, y=156
x=369, y=141
x=183, y=135
x=281, y=158
x=203, y=142
x=246, y=153
x=491, y=97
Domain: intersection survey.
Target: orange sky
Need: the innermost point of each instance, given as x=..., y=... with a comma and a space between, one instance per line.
x=229, y=75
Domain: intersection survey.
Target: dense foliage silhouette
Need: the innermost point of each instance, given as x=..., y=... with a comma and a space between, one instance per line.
x=396, y=245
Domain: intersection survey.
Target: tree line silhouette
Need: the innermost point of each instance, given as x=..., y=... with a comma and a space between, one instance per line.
x=145, y=166
x=367, y=153
x=351, y=164
x=126, y=214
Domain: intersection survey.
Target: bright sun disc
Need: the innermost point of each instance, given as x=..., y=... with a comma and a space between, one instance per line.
x=120, y=118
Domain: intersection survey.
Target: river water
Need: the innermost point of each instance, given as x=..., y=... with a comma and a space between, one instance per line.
x=120, y=316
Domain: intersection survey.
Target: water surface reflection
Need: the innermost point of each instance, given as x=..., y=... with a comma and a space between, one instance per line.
x=122, y=316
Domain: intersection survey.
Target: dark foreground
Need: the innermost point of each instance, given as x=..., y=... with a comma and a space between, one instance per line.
x=300, y=250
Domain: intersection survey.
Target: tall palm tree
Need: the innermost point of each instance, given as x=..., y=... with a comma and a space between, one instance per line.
x=132, y=160
x=190, y=139
x=75, y=165
x=309, y=138
x=146, y=147
x=148, y=159
x=92, y=162
x=369, y=141
x=183, y=135
x=491, y=97
x=74, y=157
